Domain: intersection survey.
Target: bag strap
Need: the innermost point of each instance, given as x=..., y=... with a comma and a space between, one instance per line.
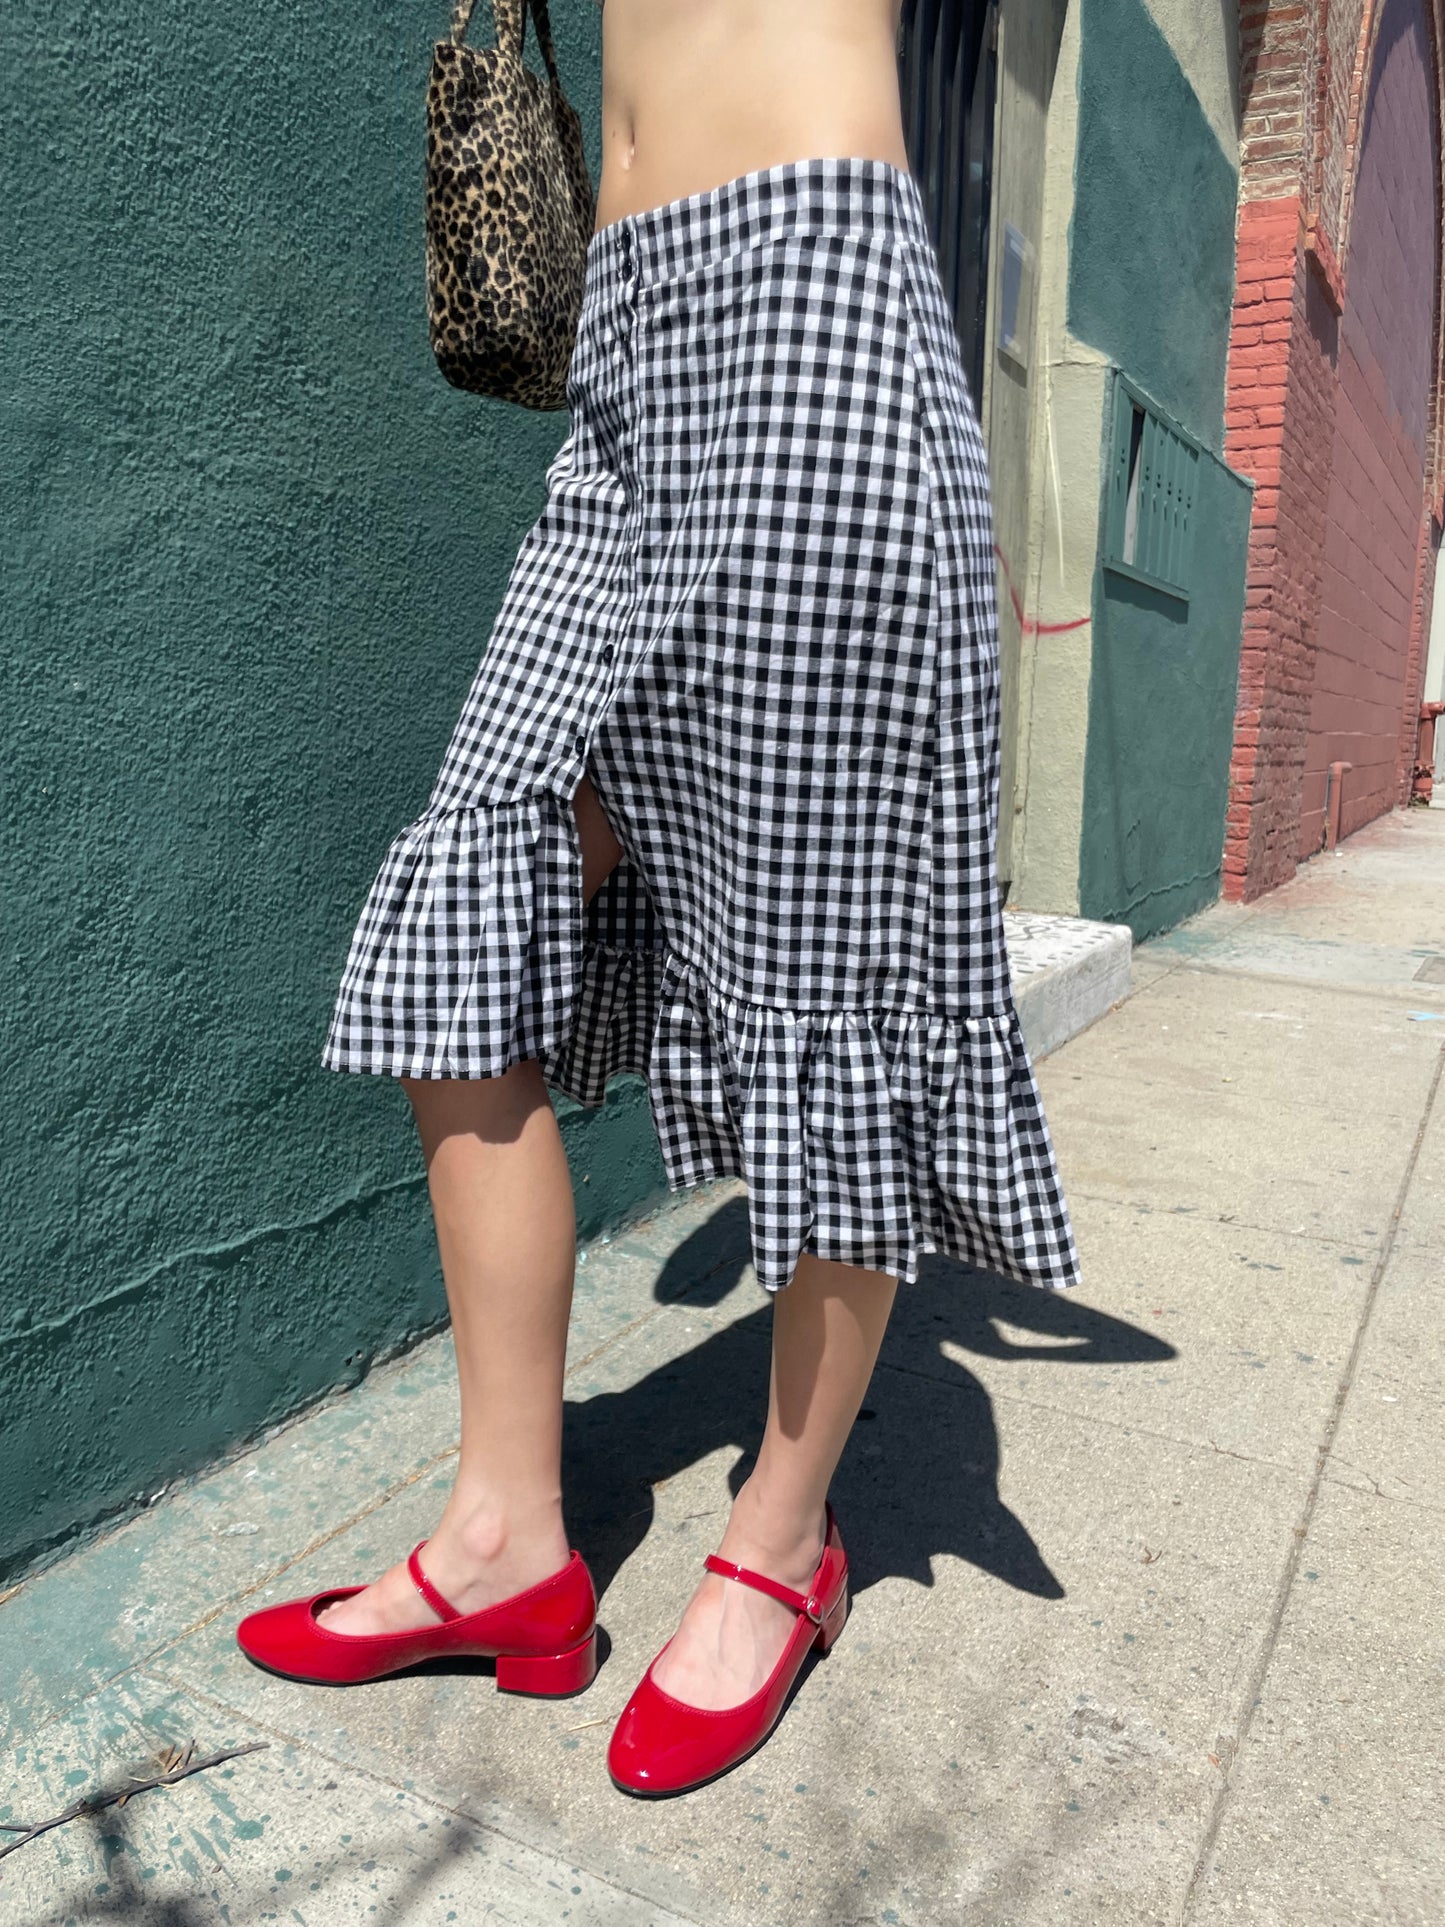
x=510, y=18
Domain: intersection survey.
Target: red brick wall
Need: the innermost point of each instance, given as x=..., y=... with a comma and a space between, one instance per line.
x=1343, y=62
x=1277, y=108
x=1336, y=603
x=1279, y=425
x=1367, y=609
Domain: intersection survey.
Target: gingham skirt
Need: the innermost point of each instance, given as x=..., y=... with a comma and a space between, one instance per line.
x=757, y=611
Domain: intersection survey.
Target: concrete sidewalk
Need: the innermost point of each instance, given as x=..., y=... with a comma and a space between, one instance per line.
x=1146, y=1623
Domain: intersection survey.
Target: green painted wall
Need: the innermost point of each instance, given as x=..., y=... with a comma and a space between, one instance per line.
x=253, y=547
x=1162, y=692
x=1151, y=284
x=1151, y=258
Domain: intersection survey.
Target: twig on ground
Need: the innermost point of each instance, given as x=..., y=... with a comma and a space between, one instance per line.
x=175, y=1763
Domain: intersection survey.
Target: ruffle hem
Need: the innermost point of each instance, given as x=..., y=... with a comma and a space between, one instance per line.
x=867, y=1136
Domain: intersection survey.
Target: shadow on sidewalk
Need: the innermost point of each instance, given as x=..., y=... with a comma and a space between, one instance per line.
x=126, y=1848
x=919, y=1478
x=920, y=1474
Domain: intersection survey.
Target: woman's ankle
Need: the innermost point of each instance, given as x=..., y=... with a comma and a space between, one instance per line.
x=480, y=1536
x=774, y=1535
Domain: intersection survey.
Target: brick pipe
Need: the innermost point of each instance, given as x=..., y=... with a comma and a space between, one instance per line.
x=1422, y=786
x=1334, y=798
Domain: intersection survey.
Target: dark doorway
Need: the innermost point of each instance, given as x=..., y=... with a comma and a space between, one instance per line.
x=947, y=72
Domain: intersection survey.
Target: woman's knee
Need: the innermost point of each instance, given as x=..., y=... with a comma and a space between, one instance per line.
x=492, y=1108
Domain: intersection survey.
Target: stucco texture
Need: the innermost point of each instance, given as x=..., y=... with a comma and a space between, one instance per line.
x=1151, y=249
x=253, y=548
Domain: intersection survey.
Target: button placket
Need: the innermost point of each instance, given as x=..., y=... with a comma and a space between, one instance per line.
x=629, y=280
x=625, y=320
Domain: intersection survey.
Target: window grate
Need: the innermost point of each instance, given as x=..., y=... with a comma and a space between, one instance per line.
x=1149, y=521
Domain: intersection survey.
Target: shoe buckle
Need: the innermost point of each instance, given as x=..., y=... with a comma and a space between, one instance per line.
x=813, y=1607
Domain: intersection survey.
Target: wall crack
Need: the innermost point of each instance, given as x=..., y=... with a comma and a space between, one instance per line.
x=221, y=1255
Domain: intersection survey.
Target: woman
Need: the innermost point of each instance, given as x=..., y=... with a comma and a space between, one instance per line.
x=740, y=702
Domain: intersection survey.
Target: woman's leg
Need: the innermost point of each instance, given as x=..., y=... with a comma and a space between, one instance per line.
x=501, y=1196
x=827, y=1327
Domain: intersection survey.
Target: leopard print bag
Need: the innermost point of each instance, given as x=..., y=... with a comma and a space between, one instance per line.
x=509, y=212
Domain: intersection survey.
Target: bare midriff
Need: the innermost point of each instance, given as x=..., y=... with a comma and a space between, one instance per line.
x=696, y=92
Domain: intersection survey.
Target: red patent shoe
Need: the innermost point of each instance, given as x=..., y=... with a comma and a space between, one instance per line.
x=544, y=1640
x=659, y=1745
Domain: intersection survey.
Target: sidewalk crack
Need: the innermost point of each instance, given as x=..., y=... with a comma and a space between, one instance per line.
x=1254, y=1691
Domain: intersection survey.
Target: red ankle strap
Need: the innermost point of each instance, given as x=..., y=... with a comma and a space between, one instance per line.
x=443, y=1608
x=800, y=1602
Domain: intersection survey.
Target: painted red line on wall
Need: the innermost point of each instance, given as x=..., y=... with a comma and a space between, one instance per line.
x=1030, y=624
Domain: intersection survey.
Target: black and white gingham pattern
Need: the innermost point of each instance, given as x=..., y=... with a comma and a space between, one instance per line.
x=757, y=609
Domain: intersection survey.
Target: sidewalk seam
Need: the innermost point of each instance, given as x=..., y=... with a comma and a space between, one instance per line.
x=1205, y=1216
x=233, y=1599
x=411, y=1790
x=1251, y=970
x=1092, y=1418
x=1203, y=1863
x=345, y=1525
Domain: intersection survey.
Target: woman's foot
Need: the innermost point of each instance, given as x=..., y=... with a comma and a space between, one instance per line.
x=472, y=1566
x=663, y=1744
x=731, y=1637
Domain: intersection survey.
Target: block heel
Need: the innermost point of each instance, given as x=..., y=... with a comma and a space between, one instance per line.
x=833, y=1622
x=553, y=1676
x=549, y=1617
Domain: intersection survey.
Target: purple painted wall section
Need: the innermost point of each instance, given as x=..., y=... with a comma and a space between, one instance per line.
x=1371, y=566
x=1395, y=222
